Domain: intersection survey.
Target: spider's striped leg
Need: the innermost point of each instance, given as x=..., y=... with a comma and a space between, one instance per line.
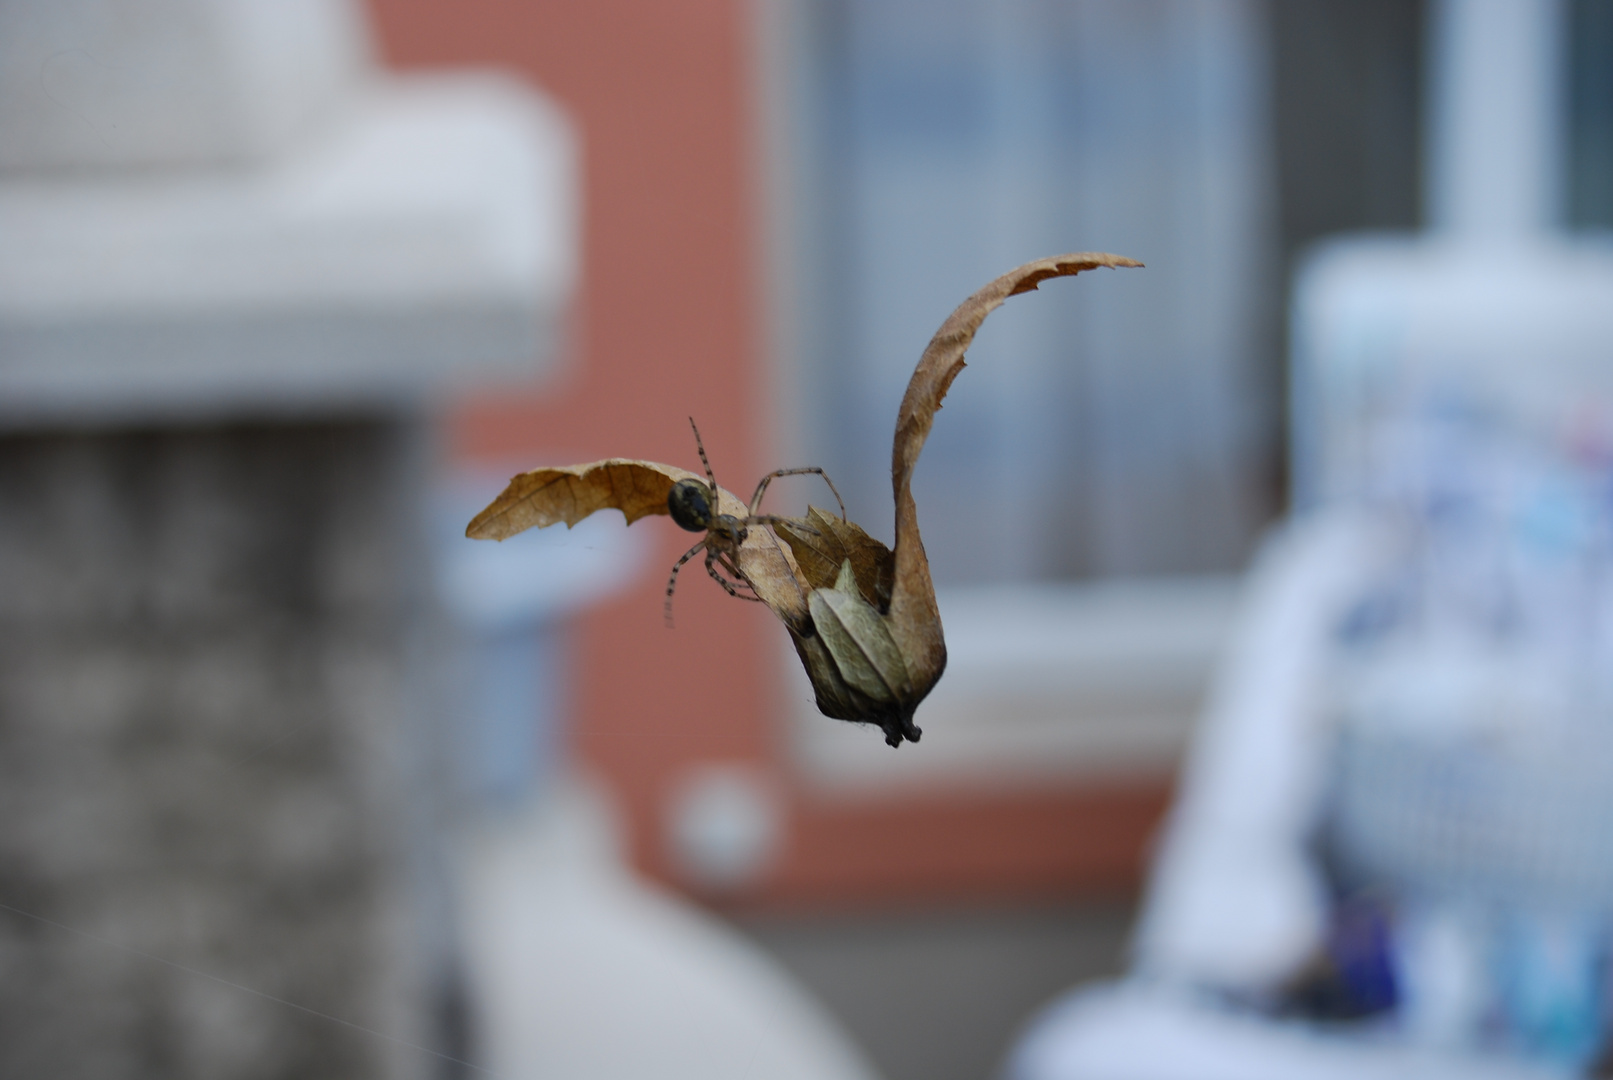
x=729, y=562
x=756, y=499
x=715, y=559
x=716, y=496
x=672, y=582
x=795, y=523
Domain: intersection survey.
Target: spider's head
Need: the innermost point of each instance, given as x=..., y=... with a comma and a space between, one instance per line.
x=691, y=505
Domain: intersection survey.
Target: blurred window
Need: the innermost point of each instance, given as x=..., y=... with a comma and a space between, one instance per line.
x=1127, y=423
x=1590, y=168
x=1347, y=105
x=1121, y=424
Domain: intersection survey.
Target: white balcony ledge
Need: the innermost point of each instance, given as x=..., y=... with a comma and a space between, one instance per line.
x=423, y=237
x=1044, y=682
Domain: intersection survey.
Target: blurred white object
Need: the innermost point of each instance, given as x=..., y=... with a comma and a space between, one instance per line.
x=1494, y=296
x=1521, y=318
x=1145, y=1031
x=1524, y=320
x=1495, y=117
x=510, y=601
x=1236, y=899
x=107, y=84
x=1501, y=810
x=727, y=824
x=400, y=237
x=1094, y=679
x=1442, y=976
x=578, y=970
x=541, y=575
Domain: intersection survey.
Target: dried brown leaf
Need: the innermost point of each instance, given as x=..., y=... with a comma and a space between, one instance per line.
x=834, y=541
x=915, y=622
x=533, y=500
x=542, y=497
x=863, y=617
x=876, y=648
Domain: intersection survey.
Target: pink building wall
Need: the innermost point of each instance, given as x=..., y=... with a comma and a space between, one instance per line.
x=668, y=325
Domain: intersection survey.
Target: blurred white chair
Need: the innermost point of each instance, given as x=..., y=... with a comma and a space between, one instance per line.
x=1236, y=903
x=1493, y=301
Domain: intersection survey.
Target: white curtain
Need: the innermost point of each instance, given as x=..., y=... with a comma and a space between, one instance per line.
x=1122, y=423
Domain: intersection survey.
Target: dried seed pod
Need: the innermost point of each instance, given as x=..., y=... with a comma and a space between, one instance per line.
x=896, y=584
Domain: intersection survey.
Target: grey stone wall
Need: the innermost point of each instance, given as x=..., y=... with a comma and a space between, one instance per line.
x=212, y=686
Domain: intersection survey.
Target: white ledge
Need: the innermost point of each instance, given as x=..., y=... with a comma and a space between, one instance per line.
x=1050, y=682
x=425, y=238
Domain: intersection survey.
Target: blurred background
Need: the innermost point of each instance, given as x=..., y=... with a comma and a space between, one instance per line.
x=1276, y=576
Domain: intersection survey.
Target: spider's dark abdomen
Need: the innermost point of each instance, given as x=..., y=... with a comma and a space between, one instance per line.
x=689, y=503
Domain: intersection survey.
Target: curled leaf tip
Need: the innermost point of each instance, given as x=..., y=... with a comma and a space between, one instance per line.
x=868, y=599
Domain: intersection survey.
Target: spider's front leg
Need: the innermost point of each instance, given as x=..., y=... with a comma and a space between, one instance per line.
x=761, y=488
x=672, y=582
x=715, y=559
x=798, y=524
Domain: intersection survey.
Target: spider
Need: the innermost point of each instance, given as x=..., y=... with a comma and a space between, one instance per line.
x=692, y=505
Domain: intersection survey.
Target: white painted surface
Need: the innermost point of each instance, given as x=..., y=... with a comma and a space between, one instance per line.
x=1043, y=682
x=1496, y=92
x=1141, y=1032
x=1236, y=899
x=579, y=971
x=1513, y=313
x=96, y=85
x=1524, y=320
x=726, y=825
x=427, y=237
